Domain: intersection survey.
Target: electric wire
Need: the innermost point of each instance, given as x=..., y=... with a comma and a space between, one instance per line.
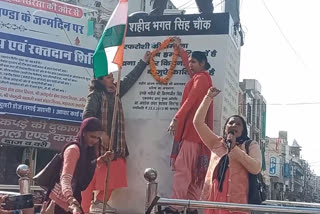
x=284, y=36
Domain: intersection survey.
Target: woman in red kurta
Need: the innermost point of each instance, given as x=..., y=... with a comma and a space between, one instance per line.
x=190, y=157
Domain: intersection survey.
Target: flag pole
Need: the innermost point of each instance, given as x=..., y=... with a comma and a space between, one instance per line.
x=118, y=59
x=113, y=129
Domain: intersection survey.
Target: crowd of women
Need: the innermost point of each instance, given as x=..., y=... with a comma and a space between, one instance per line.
x=205, y=167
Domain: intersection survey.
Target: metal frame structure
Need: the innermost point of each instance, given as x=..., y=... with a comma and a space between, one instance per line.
x=187, y=204
x=152, y=200
x=268, y=206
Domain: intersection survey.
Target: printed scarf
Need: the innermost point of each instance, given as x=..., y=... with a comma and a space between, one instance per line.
x=119, y=145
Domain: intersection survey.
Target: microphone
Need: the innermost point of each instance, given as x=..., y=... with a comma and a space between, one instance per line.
x=228, y=141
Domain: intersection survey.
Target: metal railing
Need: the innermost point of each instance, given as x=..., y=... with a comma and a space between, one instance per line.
x=292, y=203
x=23, y=187
x=152, y=200
x=17, y=187
x=187, y=204
x=269, y=206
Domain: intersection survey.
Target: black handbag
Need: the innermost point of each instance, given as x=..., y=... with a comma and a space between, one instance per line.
x=49, y=175
x=257, y=187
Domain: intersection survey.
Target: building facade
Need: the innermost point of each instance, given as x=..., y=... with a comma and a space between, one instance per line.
x=253, y=108
x=275, y=160
x=226, y=104
x=288, y=176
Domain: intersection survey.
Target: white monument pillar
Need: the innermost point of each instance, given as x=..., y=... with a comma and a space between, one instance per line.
x=150, y=106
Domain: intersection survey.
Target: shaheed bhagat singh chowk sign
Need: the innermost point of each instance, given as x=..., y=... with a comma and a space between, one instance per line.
x=149, y=106
x=204, y=33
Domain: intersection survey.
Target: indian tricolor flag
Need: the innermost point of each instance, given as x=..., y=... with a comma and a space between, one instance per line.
x=108, y=56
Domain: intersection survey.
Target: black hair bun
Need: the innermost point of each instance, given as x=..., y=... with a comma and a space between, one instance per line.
x=207, y=66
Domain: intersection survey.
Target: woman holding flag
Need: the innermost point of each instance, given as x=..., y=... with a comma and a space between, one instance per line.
x=100, y=104
x=104, y=103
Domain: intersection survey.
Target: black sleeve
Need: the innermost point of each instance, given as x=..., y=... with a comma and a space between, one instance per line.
x=132, y=77
x=92, y=106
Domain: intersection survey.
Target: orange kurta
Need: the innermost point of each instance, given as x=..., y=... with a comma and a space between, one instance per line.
x=118, y=170
x=218, y=196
